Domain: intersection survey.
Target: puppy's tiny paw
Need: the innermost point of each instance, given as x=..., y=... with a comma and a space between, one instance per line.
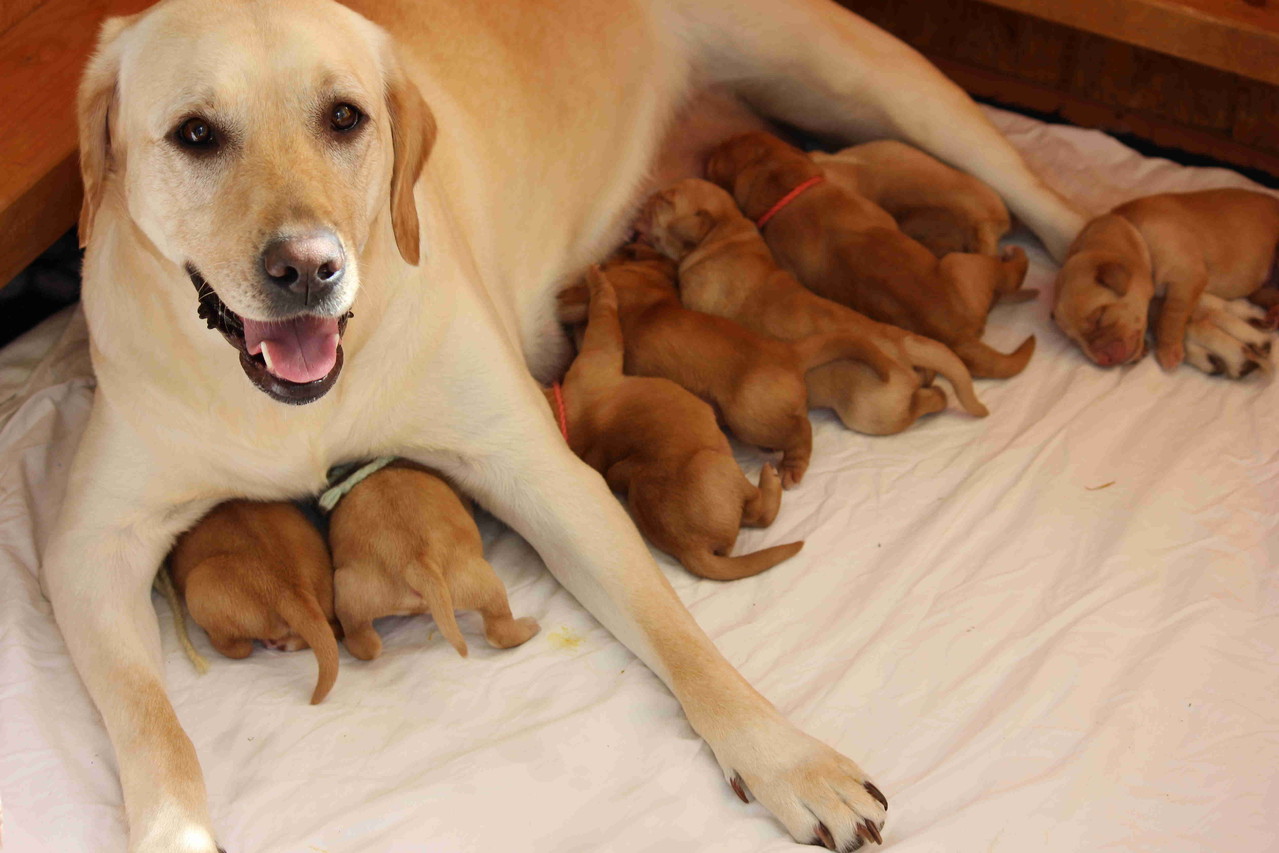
x=1170, y=356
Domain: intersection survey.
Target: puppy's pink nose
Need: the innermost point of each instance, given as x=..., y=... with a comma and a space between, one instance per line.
x=1110, y=354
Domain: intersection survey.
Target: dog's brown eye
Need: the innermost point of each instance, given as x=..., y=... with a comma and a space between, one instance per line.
x=195, y=133
x=344, y=117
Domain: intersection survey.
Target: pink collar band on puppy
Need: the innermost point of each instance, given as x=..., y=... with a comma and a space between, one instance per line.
x=787, y=199
x=560, y=414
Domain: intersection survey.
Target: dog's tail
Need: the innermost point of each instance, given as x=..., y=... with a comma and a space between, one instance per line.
x=304, y=616
x=929, y=354
x=987, y=363
x=714, y=567
x=428, y=582
x=825, y=347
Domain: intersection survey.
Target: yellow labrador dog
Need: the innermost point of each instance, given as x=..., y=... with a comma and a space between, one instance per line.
x=257, y=170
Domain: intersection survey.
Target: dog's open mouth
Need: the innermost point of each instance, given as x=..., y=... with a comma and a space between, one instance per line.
x=294, y=361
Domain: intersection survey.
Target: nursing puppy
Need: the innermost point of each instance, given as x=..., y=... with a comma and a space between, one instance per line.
x=726, y=270
x=661, y=447
x=846, y=248
x=941, y=207
x=260, y=571
x=404, y=542
x=1179, y=247
x=755, y=383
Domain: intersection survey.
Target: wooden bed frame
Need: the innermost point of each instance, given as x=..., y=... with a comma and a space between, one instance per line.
x=1198, y=75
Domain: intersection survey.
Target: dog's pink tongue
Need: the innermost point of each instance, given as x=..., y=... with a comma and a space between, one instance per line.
x=303, y=349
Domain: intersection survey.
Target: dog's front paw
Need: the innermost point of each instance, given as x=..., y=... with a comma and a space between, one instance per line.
x=821, y=797
x=1222, y=341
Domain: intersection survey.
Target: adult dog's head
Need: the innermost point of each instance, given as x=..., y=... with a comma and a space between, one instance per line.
x=256, y=144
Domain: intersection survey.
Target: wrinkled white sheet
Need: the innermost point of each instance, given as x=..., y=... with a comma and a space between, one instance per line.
x=1052, y=630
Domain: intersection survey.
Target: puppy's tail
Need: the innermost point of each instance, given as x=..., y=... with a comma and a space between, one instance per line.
x=986, y=363
x=820, y=349
x=714, y=567
x=165, y=585
x=439, y=600
x=304, y=616
x=929, y=354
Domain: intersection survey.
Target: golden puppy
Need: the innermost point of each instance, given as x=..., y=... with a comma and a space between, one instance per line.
x=941, y=207
x=404, y=542
x=661, y=446
x=726, y=270
x=846, y=248
x=260, y=571
x=1180, y=247
x=756, y=383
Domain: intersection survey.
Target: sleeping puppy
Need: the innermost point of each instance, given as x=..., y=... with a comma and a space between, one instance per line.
x=260, y=571
x=941, y=207
x=661, y=446
x=726, y=270
x=846, y=248
x=756, y=383
x=404, y=542
x=1180, y=247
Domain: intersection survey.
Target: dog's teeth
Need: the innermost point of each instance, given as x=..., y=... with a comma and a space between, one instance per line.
x=266, y=356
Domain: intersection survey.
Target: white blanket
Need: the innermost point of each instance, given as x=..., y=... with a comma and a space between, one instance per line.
x=1055, y=629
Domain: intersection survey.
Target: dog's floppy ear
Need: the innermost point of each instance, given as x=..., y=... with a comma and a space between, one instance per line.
x=1114, y=275
x=412, y=137
x=98, y=156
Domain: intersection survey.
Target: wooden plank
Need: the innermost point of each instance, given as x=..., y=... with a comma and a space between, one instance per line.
x=12, y=11
x=1001, y=88
x=1229, y=35
x=41, y=58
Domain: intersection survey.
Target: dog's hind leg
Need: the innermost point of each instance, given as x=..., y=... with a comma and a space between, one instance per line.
x=487, y=594
x=109, y=540
x=827, y=70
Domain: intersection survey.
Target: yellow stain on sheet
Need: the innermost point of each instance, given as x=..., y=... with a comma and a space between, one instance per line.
x=565, y=639
x=1099, y=488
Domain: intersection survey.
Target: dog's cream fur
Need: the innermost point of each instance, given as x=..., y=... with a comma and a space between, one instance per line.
x=548, y=117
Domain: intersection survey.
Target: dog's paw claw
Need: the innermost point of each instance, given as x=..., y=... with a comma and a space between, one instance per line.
x=876, y=793
x=824, y=838
x=739, y=788
x=867, y=830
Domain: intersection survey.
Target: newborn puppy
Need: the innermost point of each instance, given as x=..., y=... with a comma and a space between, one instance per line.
x=1177, y=246
x=943, y=208
x=846, y=248
x=755, y=383
x=404, y=542
x=260, y=571
x=726, y=270
x=660, y=445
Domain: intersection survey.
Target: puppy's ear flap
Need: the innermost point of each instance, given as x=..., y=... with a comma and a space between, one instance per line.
x=1114, y=275
x=98, y=156
x=412, y=137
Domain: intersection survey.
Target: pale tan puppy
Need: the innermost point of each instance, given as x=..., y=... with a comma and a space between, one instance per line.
x=941, y=207
x=726, y=270
x=260, y=571
x=1180, y=247
x=846, y=248
x=755, y=383
x=660, y=446
x=404, y=542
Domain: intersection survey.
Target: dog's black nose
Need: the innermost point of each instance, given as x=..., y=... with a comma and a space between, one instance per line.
x=309, y=265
